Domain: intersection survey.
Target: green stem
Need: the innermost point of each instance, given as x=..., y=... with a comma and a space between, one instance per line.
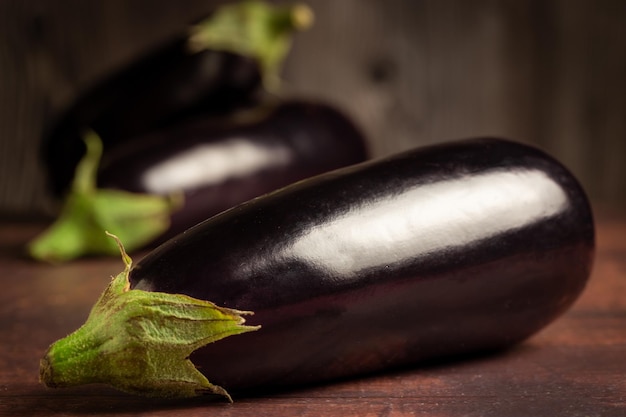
x=86, y=171
x=87, y=211
x=139, y=342
x=255, y=29
x=74, y=360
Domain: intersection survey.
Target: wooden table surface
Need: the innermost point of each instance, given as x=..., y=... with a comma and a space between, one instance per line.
x=574, y=367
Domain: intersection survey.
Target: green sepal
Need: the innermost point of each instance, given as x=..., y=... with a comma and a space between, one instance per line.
x=255, y=29
x=139, y=342
x=87, y=211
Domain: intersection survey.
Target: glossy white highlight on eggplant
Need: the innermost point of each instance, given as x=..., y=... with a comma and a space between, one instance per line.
x=208, y=164
x=427, y=219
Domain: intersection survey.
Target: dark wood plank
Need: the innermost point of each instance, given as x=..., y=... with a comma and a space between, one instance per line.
x=576, y=366
x=411, y=72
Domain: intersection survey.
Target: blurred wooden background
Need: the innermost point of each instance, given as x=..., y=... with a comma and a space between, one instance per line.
x=411, y=72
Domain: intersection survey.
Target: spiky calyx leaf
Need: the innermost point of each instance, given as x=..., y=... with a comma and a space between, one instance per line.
x=87, y=211
x=255, y=29
x=139, y=342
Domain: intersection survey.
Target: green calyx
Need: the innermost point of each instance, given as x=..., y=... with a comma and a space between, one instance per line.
x=136, y=218
x=255, y=29
x=139, y=342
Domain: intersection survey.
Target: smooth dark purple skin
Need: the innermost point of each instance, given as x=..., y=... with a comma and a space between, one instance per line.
x=447, y=250
x=166, y=85
x=316, y=137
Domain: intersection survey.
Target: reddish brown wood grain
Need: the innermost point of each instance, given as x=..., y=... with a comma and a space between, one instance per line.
x=576, y=366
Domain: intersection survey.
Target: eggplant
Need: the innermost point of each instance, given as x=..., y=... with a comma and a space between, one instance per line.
x=158, y=185
x=463, y=247
x=138, y=100
x=219, y=163
x=203, y=71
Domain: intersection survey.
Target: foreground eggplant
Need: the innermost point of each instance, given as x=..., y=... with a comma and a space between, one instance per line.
x=204, y=71
x=449, y=249
x=464, y=247
x=219, y=163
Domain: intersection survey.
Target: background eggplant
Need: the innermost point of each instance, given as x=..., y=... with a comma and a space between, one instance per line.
x=205, y=71
x=463, y=247
x=130, y=104
x=156, y=186
x=221, y=162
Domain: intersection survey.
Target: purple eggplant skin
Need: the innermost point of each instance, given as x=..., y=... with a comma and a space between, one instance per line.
x=453, y=249
x=158, y=89
x=219, y=163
